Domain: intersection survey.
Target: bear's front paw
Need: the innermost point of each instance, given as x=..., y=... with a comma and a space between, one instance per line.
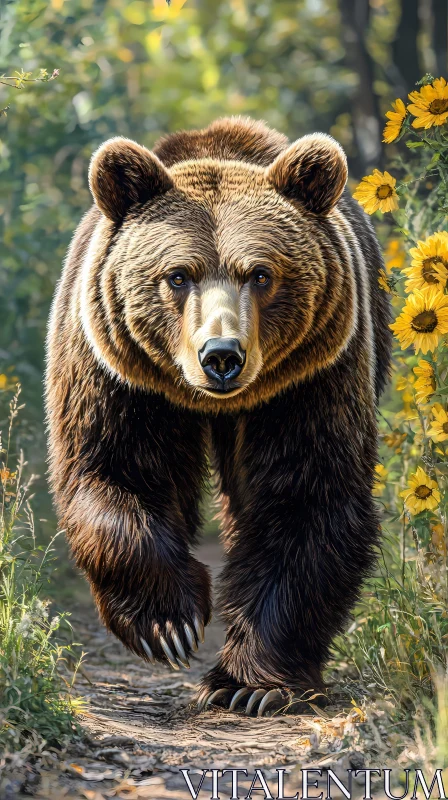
x=176, y=643
x=161, y=619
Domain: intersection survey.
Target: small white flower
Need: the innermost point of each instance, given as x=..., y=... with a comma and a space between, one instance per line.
x=39, y=610
x=24, y=627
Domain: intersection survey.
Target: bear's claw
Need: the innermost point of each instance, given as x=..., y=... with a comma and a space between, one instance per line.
x=266, y=696
x=191, y=639
x=267, y=699
x=214, y=696
x=253, y=699
x=147, y=650
x=181, y=655
x=237, y=697
x=166, y=649
x=199, y=627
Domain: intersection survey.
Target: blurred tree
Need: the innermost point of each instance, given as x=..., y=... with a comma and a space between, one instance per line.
x=366, y=116
x=440, y=34
x=405, y=49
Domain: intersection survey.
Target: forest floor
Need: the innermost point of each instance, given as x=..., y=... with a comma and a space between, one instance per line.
x=141, y=729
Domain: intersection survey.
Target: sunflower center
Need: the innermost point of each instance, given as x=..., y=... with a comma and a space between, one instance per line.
x=422, y=492
x=425, y=322
x=439, y=106
x=384, y=191
x=429, y=269
x=445, y=427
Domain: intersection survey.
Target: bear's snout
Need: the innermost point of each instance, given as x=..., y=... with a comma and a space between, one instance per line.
x=222, y=361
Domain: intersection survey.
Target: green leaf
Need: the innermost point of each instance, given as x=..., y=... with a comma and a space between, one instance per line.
x=428, y=78
x=413, y=145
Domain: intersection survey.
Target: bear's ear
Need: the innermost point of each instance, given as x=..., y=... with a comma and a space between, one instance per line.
x=122, y=173
x=313, y=171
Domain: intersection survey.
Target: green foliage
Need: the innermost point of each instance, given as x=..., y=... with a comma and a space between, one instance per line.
x=35, y=701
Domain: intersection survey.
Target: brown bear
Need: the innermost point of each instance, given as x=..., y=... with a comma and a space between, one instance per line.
x=220, y=306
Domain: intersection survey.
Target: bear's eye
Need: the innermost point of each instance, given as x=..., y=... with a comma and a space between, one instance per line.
x=178, y=279
x=261, y=277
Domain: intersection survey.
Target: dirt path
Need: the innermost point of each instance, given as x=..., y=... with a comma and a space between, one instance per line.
x=142, y=731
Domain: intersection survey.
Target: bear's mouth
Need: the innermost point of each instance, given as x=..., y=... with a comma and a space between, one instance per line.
x=226, y=389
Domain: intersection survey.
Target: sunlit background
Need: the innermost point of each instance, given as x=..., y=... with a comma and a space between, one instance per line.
x=142, y=69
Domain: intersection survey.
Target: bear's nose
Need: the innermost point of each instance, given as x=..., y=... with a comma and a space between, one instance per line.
x=222, y=360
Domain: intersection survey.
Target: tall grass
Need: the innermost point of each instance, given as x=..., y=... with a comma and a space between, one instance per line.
x=36, y=700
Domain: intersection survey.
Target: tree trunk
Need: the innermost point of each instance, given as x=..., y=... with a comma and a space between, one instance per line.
x=440, y=36
x=367, y=123
x=405, y=52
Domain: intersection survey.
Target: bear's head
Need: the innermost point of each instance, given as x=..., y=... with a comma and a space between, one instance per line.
x=218, y=281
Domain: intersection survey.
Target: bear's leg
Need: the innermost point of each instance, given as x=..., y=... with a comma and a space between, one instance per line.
x=300, y=528
x=128, y=470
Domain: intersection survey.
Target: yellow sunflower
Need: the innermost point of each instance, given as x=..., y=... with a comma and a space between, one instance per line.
x=422, y=493
x=383, y=281
x=377, y=192
x=439, y=425
x=396, y=117
x=395, y=254
x=381, y=474
x=394, y=440
x=423, y=320
x=430, y=105
x=438, y=536
x=429, y=263
x=405, y=384
x=425, y=385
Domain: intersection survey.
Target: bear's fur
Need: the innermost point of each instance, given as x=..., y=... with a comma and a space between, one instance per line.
x=132, y=416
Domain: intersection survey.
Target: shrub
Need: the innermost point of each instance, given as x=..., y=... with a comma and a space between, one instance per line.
x=36, y=701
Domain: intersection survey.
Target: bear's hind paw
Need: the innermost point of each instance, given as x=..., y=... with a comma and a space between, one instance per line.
x=265, y=698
